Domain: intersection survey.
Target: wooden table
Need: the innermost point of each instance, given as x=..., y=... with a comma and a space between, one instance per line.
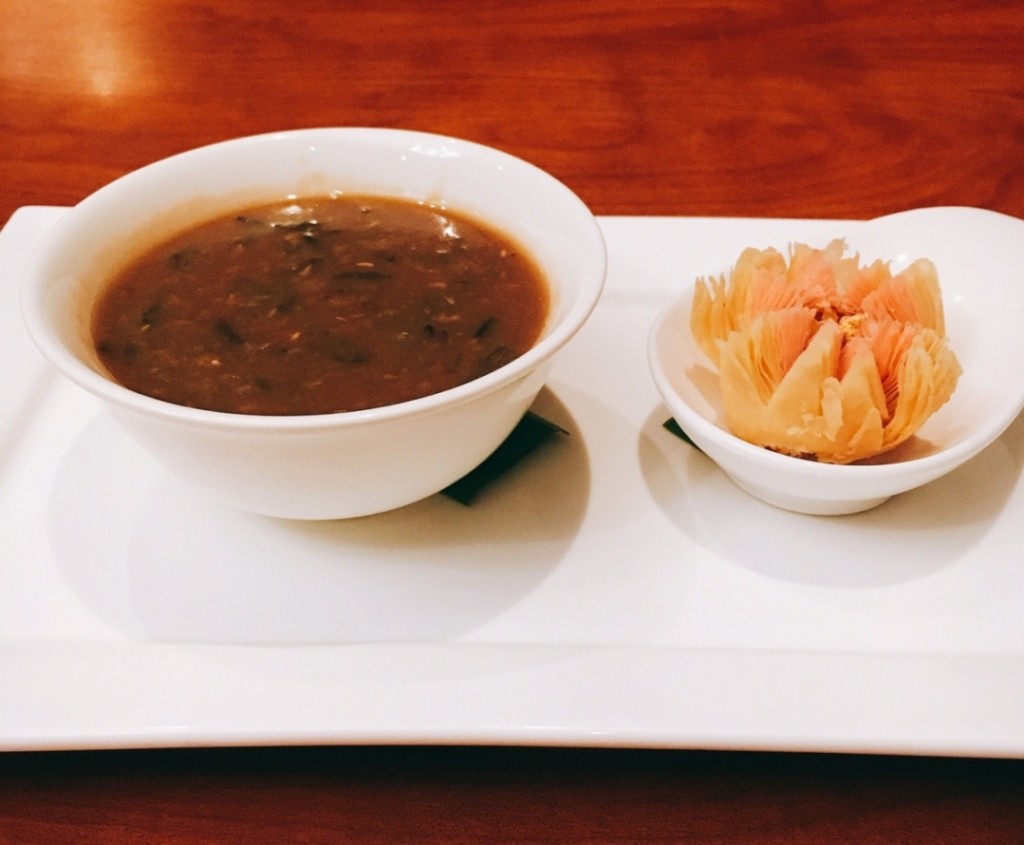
x=847, y=109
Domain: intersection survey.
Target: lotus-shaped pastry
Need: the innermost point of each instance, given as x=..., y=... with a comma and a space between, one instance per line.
x=822, y=358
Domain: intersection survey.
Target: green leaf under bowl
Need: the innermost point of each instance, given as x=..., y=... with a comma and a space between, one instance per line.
x=671, y=425
x=531, y=432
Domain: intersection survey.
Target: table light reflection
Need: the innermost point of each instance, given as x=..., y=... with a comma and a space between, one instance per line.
x=97, y=47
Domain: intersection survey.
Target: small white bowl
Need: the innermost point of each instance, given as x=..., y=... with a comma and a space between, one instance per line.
x=979, y=255
x=332, y=465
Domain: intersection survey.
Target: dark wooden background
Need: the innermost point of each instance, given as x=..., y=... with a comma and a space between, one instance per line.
x=797, y=108
x=847, y=109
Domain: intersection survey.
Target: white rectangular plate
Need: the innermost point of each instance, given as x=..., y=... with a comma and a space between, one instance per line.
x=614, y=590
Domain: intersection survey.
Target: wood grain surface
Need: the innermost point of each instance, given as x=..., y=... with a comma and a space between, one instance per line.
x=783, y=108
x=468, y=795
x=742, y=108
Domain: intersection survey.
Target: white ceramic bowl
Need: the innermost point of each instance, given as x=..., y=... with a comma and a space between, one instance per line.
x=332, y=465
x=979, y=255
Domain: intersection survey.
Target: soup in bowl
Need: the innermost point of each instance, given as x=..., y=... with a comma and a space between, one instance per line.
x=322, y=323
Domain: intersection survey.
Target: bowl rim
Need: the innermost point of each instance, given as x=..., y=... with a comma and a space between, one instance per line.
x=34, y=291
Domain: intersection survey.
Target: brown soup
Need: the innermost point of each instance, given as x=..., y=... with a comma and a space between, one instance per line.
x=320, y=305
